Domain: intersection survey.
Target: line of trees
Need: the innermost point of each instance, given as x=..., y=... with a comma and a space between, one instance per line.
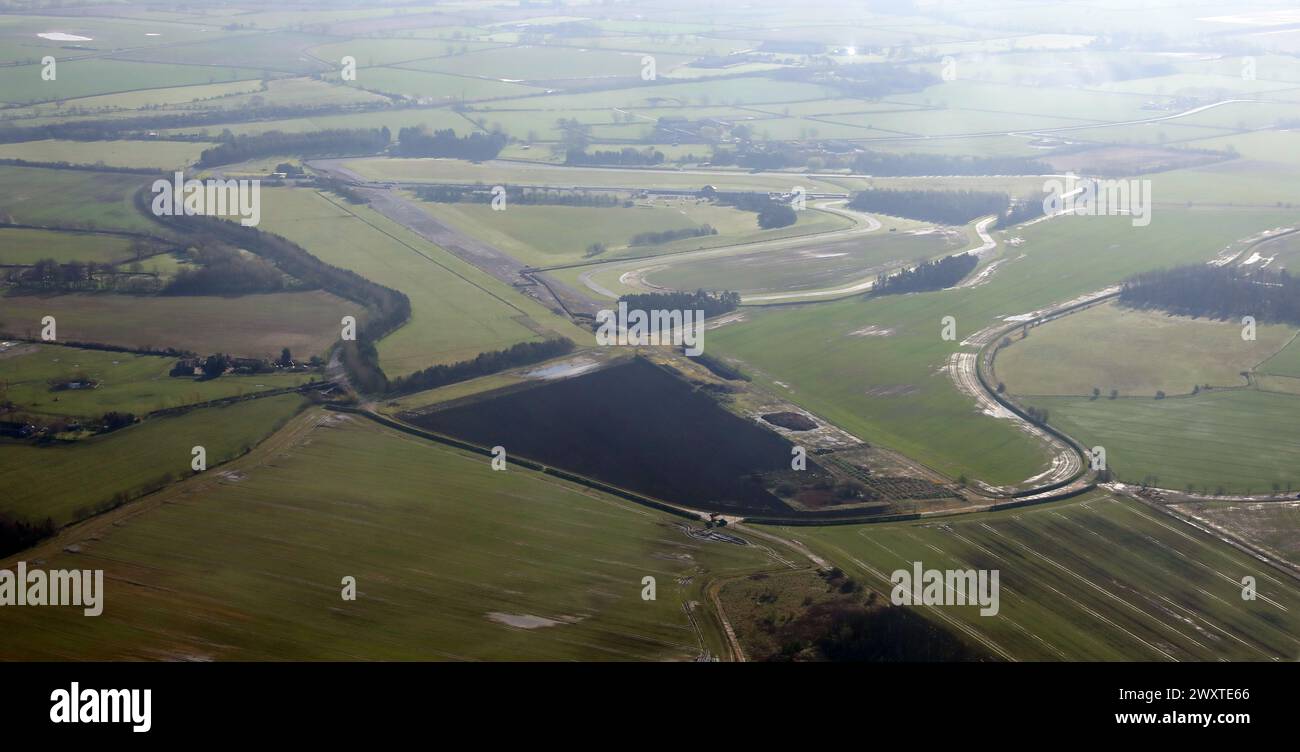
x=112, y=128
x=1216, y=292
x=668, y=236
x=938, y=274
x=495, y=361
x=388, y=308
x=883, y=164
x=626, y=157
x=946, y=207
x=311, y=143
x=477, y=147
x=712, y=303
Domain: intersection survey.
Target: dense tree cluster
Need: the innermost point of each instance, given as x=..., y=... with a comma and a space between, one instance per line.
x=486, y=363
x=946, y=207
x=225, y=271
x=1216, y=291
x=668, y=236
x=1021, y=210
x=476, y=147
x=931, y=275
x=311, y=143
x=16, y=535
x=712, y=303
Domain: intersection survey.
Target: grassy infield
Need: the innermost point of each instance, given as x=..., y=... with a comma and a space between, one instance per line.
x=250, y=566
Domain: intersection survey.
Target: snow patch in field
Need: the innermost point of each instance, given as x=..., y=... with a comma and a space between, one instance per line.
x=59, y=36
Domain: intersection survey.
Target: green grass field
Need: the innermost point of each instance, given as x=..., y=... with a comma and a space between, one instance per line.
x=77, y=198
x=66, y=481
x=26, y=246
x=308, y=323
x=1089, y=579
x=457, y=311
x=441, y=546
x=1137, y=352
x=551, y=235
x=810, y=267
x=892, y=389
x=1239, y=440
x=127, y=382
x=158, y=154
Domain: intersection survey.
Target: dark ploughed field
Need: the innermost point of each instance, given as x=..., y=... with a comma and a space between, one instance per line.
x=633, y=425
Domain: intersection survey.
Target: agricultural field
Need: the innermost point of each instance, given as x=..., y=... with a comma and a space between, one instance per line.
x=71, y=481
x=123, y=382
x=877, y=366
x=1134, y=352
x=71, y=198
x=253, y=325
x=454, y=561
x=1097, y=578
x=162, y=155
x=554, y=235
x=941, y=375
x=442, y=288
x=1221, y=441
x=23, y=246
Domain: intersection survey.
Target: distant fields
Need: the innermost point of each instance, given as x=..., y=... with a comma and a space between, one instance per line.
x=83, y=78
x=442, y=549
x=1089, y=579
x=65, y=481
x=127, y=382
x=458, y=311
x=1137, y=352
x=252, y=325
x=1238, y=440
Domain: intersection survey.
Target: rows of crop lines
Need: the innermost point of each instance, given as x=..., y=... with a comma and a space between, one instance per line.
x=453, y=562
x=1095, y=578
x=876, y=366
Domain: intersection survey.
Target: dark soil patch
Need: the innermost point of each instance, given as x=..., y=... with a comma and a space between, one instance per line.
x=635, y=426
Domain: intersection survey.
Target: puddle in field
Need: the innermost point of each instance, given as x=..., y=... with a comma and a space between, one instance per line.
x=563, y=370
x=523, y=621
